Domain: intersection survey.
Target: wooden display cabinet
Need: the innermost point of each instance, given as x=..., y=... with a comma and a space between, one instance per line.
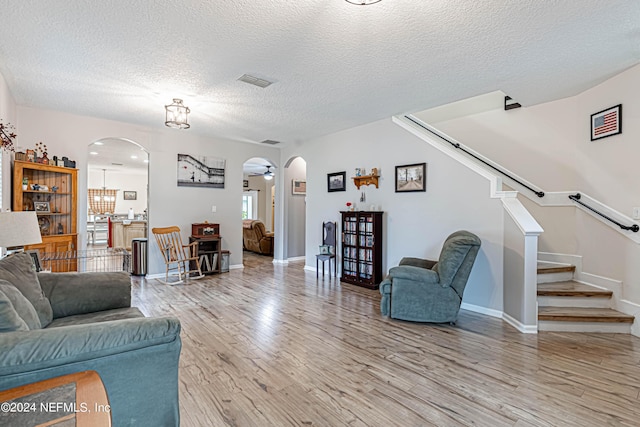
x=55, y=200
x=362, y=248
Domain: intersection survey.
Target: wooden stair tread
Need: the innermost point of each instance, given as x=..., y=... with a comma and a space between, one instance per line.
x=581, y=314
x=549, y=268
x=571, y=289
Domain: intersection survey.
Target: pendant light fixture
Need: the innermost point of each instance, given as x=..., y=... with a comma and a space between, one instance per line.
x=177, y=115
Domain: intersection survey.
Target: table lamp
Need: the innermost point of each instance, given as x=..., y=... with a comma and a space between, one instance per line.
x=18, y=229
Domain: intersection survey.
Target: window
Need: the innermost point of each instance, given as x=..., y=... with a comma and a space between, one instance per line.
x=250, y=205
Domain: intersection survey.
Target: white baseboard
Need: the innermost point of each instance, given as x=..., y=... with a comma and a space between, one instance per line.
x=309, y=268
x=570, y=259
x=482, y=310
x=280, y=261
x=525, y=329
x=600, y=282
x=632, y=309
x=155, y=276
x=297, y=258
x=236, y=267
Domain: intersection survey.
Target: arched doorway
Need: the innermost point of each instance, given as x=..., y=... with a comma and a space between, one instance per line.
x=117, y=190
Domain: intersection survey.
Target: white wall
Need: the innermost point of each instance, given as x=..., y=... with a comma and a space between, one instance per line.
x=296, y=209
x=415, y=224
x=69, y=135
x=8, y=115
x=549, y=145
x=122, y=180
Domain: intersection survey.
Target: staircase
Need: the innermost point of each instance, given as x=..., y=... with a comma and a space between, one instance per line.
x=570, y=306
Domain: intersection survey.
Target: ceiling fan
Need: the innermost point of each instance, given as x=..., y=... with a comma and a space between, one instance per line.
x=268, y=174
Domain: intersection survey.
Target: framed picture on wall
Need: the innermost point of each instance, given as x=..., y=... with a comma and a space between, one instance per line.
x=606, y=122
x=299, y=186
x=245, y=183
x=411, y=178
x=336, y=181
x=130, y=195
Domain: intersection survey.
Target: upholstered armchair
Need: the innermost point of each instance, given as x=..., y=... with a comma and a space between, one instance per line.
x=428, y=291
x=255, y=237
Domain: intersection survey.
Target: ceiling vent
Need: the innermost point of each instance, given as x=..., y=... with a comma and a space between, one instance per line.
x=117, y=164
x=270, y=142
x=254, y=81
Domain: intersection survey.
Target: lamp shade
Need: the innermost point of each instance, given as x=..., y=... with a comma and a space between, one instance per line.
x=19, y=229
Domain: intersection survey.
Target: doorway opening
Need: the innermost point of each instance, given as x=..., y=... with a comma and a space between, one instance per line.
x=117, y=193
x=258, y=208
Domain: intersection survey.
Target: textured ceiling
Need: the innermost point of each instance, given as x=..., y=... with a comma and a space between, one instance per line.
x=334, y=65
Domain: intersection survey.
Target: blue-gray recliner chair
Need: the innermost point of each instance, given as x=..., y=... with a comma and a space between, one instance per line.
x=421, y=290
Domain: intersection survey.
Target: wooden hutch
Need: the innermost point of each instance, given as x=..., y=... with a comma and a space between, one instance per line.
x=52, y=192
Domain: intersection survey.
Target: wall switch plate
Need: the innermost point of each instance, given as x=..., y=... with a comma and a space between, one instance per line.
x=214, y=208
x=636, y=213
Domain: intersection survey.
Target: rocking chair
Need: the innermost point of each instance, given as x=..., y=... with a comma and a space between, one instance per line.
x=174, y=252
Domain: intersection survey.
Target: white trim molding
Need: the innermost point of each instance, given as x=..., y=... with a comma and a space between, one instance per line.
x=525, y=329
x=482, y=310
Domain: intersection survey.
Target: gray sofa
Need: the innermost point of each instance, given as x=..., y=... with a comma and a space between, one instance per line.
x=52, y=324
x=422, y=290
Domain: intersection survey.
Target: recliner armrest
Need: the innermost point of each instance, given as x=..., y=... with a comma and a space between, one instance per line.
x=418, y=262
x=80, y=293
x=416, y=274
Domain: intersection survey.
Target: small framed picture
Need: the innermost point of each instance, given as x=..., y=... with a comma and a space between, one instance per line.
x=336, y=181
x=35, y=258
x=130, y=195
x=41, y=207
x=324, y=249
x=411, y=178
x=606, y=122
x=299, y=186
x=245, y=183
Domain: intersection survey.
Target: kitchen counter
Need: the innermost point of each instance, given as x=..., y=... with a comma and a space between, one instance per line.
x=123, y=231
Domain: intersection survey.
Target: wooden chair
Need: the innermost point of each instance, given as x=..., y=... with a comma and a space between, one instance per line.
x=329, y=237
x=174, y=252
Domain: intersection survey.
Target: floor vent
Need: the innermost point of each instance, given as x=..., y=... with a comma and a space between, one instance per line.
x=270, y=142
x=254, y=81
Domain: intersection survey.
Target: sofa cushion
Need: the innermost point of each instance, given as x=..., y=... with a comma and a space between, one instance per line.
x=97, y=317
x=10, y=321
x=21, y=305
x=18, y=270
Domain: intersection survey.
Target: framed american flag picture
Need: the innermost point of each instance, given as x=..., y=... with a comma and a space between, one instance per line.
x=606, y=122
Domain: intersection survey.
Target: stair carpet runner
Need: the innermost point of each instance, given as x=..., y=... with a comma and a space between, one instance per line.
x=570, y=306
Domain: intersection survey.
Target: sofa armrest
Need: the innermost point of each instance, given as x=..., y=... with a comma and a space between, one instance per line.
x=418, y=262
x=46, y=348
x=416, y=274
x=80, y=293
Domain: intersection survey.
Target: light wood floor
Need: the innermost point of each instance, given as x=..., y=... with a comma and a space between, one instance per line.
x=272, y=346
